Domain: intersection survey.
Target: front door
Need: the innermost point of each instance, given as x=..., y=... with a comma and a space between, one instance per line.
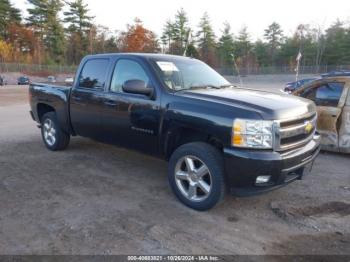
x=131, y=120
x=327, y=96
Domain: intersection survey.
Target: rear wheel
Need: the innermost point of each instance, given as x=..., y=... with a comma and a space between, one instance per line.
x=196, y=175
x=52, y=134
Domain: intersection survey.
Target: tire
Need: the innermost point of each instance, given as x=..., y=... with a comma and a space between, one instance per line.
x=203, y=156
x=52, y=134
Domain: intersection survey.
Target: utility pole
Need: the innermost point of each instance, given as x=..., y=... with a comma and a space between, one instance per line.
x=237, y=69
x=299, y=56
x=189, y=39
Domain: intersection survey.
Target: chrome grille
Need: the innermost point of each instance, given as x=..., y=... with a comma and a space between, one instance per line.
x=294, y=133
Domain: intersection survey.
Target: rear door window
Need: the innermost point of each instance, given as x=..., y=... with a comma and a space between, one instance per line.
x=94, y=73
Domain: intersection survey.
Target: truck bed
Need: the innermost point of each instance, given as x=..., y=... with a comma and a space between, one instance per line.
x=54, y=95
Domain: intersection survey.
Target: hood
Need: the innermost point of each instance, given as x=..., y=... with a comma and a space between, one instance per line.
x=270, y=106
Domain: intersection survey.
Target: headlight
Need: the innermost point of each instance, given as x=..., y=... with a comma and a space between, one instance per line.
x=252, y=134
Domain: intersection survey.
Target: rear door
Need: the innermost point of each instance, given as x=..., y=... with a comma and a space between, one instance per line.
x=327, y=97
x=86, y=101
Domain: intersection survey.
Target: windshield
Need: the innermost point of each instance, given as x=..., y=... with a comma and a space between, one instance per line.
x=181, y=74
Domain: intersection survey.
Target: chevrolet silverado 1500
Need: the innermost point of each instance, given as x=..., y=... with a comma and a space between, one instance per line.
x=216, y=137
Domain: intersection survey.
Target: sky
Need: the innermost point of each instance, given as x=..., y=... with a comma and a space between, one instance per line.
x=256, y=15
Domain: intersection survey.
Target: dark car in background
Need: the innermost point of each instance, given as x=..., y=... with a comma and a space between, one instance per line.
x=292, y=86
x=51, y=79
x=2, y=81
x=336, y=73
x=23, y=80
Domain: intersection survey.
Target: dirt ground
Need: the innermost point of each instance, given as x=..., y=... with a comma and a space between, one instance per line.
x=13, y=95
x=99, y=199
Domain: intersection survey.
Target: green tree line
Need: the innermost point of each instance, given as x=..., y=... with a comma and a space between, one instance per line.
x=49, y=35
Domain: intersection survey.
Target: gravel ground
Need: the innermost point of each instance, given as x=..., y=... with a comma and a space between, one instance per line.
x=99, y=199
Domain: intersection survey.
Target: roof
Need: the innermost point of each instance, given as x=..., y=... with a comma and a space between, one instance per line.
x=145, y=55
x=337, y=73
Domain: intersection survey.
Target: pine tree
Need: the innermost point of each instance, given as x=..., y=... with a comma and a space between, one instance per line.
x=226, y=46
x=175, y=34
x=38, y=15
x=261, y=51
x=206, y=40
x=243, y=48
x=273, y=34
x=43, y=16
x=8, y=15
x=77, y=17
x=79, y=23
x=191, y=51
x=337, y=50
x=180, y=31
x=168, y=36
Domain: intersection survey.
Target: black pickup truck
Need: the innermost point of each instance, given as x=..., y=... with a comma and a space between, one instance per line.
x=216, y=137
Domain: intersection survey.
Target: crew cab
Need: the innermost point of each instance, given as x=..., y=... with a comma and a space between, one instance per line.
x=216, y=137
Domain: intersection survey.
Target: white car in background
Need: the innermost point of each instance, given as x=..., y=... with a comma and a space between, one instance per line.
x=69, y=80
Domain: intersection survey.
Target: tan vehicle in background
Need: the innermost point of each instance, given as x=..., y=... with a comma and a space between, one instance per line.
x=332, y=98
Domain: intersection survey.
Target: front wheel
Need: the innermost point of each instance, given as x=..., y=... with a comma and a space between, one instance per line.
x=196, y=175
x=52, y=134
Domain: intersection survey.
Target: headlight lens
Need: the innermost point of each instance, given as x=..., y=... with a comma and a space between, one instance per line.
x=252, y=133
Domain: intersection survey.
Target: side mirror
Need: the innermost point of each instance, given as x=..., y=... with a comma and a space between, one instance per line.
x=136, y=86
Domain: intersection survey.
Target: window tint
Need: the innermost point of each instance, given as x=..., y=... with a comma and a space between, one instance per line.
x=327, y=94
x=94, y=73
x=127, y=70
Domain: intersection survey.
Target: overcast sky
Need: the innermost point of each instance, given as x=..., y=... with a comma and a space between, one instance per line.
x=256, y=15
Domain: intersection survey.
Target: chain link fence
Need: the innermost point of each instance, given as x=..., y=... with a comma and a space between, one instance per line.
x=36, y=69
x=56, y=69
x=274, y=70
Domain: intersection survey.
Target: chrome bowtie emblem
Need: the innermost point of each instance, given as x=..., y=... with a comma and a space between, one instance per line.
x=308, y=127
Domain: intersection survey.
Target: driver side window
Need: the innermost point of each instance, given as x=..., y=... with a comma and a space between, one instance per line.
x=326, y=94
x=125, y=70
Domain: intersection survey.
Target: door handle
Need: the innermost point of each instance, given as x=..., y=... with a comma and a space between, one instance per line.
x=110, y=103
x=76, y=98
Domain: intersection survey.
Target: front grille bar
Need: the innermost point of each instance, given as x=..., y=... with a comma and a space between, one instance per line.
x=291, y=131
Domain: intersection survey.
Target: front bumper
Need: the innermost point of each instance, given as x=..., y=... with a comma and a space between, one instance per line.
x=243, y=166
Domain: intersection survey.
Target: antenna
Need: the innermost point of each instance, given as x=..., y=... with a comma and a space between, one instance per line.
x=237, y=70
x=299, y=56
x=189, y=36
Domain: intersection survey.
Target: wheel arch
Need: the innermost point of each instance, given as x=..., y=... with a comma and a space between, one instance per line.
x=179, y=136
x=43, y=108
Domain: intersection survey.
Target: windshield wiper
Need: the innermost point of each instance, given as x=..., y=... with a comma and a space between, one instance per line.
x=205, y=87
x=195, y=87
x=212, y=86
x=229, y=85
x=199, y=87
